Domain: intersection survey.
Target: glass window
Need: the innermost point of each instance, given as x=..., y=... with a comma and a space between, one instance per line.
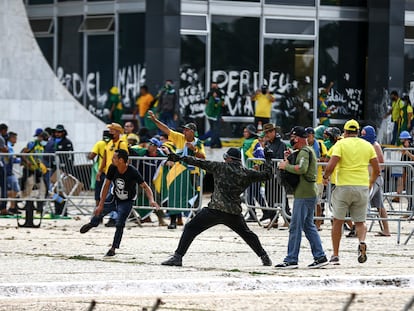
x=131, y=57
x=70, y=55
x=288, y=72
x=241, y=0
x=100, y=71
x=409, y=5
x=234, y=64
x=342, y=60
x=97, y=24
x=361, y=3
x=285, y=26
x=194, y=22
x=192, y=79
x=291, y=2
x=34, y=2
x=409, y=32
x=409, y=70
x=46, y=46
x=42, y=26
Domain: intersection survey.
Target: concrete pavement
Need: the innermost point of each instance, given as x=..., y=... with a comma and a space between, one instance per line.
x=57, y=266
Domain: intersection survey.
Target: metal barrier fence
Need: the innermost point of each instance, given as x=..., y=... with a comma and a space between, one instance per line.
x=398, y=186
x=64, y=180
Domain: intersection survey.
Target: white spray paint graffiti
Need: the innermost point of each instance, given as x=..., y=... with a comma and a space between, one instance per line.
x=293, y=97
x=129, y=81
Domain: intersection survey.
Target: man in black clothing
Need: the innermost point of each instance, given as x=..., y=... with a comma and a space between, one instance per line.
x=274, y=142
x=230, y=180
x=124, y=178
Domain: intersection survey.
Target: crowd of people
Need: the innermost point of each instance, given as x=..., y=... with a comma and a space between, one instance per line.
x=172, y=180
x=38, y=165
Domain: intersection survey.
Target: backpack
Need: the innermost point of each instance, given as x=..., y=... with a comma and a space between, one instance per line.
x=289, y=180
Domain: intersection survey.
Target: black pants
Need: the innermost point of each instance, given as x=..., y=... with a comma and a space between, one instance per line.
x=208, y=218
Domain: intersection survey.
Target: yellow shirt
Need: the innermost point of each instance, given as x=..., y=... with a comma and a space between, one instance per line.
x=143, y=104
x=99, y=150
x=324, y=153
x=355, y=154
x=263, y=105
x=179, y=141
x=396, y=107
x=110, y=150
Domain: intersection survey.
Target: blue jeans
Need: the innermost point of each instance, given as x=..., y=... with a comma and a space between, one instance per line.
x=302, y=220
x=123, y=208
x=215, y=132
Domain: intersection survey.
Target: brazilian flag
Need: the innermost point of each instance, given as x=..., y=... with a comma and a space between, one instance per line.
x=175, y=186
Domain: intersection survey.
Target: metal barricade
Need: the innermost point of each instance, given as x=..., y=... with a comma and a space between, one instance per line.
x=268, y=195
x=72, y=180
x=177, y=187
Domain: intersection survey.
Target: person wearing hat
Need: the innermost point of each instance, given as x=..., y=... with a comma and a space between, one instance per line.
x=123, y=179
x=305, y=196
x=263, y=105
x=116, y=142
x=187, y=144
x=250, y=148
x=230, y=180
x=352, y=155
x=62, y=143
x=98, y=152
x=33, y=168
x=273, y=140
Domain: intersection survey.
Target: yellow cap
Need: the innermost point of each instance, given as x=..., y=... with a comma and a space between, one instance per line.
x=116, y=127
x=114, y=90
x=351, y=125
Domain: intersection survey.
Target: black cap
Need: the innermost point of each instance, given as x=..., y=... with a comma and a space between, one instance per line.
x=233, y=153
x=60, y=128
x=299, y=131
x=310, y=130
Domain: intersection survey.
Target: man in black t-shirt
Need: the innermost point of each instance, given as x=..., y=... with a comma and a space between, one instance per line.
x=124, y=178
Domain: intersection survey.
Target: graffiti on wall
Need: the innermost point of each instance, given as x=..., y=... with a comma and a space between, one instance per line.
x=293, y=105
x=91, y=90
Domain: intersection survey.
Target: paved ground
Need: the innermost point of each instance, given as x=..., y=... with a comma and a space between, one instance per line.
x=57, y=268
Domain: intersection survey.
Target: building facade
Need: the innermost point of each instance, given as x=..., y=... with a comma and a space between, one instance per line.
x=296, y=47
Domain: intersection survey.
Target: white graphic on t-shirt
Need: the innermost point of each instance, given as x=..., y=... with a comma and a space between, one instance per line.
x=119, y=189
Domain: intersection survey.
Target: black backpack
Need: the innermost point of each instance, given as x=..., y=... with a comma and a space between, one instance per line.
x=289, y=180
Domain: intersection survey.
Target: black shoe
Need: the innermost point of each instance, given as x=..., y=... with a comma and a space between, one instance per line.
x=266, y=261
x=172, y=226
x=86, y=228
x=320, y=262
x=110, y=253
x=287, y=265
x=174, y=260
x=111, y=223
x=351, y=234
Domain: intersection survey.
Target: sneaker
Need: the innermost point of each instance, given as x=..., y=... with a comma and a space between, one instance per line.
x=174, y=260
x=362, y=252
x=110, y=253
x=111, y=223
x=172, y=226
x=86, y=228
x=320, y=262
x=287, y=265
x=334, y=260
x=266, y=261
